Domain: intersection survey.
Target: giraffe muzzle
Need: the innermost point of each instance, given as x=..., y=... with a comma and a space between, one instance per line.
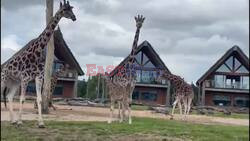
x=73, y=18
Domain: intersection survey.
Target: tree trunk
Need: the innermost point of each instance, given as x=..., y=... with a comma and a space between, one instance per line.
x=49, y=62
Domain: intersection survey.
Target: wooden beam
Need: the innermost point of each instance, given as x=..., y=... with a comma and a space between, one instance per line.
x=203, y=94
x=168, y=94
x=46, y=96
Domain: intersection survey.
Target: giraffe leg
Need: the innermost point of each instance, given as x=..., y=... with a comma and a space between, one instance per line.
x=39, y=102
x=174, y=104
x=111, y=111
x=129, y=113
x=22, y=98
x=189, y=104
x=11, y=95
x=185, y=107
x=122, y=112
x=119, y=109
x=180, y=107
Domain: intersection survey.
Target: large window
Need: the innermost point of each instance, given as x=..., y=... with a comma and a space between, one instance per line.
x=232, y=64
x=245, y=82
x=58, y=90
x=221, y=100
x=135, y=95
x=149, y=96
x=219, y=81
x=241, y=101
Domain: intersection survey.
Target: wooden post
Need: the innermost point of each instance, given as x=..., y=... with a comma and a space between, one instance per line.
x=203, y=94
x=168, y=94
x=49, y=61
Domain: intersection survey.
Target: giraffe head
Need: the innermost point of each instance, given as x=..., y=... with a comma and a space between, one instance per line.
x=139, y=20
x=67, y=10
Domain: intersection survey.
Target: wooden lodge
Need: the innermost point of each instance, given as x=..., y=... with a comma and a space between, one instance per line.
x=147, y=90
x=67, y=83
x=226, y=83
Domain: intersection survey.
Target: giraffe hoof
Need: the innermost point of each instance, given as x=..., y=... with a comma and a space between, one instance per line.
x=171, y=117
x=41, y=126
x=13, y=122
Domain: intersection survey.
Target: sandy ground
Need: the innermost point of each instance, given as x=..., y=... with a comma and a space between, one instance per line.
x=84, y=113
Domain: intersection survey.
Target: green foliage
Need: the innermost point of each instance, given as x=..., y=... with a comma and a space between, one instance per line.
x=141, y=129
x=81, y=88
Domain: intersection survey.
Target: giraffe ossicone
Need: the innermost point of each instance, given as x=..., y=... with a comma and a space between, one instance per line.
x=29, y=63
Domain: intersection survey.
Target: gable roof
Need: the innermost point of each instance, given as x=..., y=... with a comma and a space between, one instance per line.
x=62, y=51
x=145, y=45
x=234, y=50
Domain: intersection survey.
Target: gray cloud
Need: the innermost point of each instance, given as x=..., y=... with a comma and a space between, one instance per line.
x=189, y=35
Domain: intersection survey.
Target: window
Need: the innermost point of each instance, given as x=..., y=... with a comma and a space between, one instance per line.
x=241, y=101
x=229, y=62
x=57, y=66
x=149, y=96
x=242, y=69
x=223, y=68
x=236, y=63
x=245, y=82
x=138, y=75
x=221, y=100
x=31, y=88
x=139, y=57
x=135, y=95
x=58, y=90
x=145, y=59
x=219, y=81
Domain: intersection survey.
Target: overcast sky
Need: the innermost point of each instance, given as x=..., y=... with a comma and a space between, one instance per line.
x=189, y=35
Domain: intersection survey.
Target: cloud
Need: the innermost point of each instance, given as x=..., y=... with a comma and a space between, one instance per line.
x=190, y=35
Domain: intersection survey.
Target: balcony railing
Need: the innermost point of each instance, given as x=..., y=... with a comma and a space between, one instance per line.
x=213, y=84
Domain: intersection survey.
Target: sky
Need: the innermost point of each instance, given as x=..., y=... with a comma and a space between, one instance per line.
x=189, y=35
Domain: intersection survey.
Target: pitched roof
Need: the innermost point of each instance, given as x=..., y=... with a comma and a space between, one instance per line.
x=234, y=50
x=62, y=51
x=145, y=45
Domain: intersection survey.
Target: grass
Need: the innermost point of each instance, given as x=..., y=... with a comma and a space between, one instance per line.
x=219, y=114
x=142, y=129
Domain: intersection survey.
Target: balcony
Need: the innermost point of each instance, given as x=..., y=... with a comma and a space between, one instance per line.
x=229, y=86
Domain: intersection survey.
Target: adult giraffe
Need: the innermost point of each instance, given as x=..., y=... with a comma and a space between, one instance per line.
x=29, y=64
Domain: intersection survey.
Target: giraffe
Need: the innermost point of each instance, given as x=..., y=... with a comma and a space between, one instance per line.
x=54, y=78
x=184, y=92
x=126, y=76
x=116, y=95
x=29, y=64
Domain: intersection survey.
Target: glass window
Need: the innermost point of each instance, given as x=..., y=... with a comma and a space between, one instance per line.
x=135, y=95
x=242, y=69
x=219, y=81
x=58, y=90
x=145, y=76
x=138, y=75
x=241, y=102
x=149, y=64
x=229, y=62
x=145, y=58
x=149, y=96
x=31, y=88
x=139, y=57
x=223, y=68
x=221, y=100
x=245, y=82
x=236, y=63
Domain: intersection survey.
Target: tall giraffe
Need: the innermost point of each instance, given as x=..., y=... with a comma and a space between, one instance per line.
x=29, y=64
x=126, y=77
x=184, y=92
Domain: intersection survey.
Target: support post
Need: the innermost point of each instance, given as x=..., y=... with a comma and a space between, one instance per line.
x=49, y=62
x=103, y=90
x=203, y=94
x=168, y=94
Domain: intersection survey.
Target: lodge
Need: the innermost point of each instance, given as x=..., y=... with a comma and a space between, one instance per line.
x=147, y=90
x=226, y=83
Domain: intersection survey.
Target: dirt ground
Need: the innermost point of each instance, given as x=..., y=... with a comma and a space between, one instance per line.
x=84, y=113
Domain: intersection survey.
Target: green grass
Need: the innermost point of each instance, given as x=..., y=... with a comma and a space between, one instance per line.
x=139, y=107
x=142, y=129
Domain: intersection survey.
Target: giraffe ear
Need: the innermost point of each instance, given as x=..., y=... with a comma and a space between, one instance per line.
x=60, y=4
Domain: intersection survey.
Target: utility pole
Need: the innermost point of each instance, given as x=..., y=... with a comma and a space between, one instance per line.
x=49, y=61
x=102, y=90
x=98, y=86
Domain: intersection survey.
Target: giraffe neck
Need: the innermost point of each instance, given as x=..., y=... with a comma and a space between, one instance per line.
x=49, y=30
x=132, y=53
